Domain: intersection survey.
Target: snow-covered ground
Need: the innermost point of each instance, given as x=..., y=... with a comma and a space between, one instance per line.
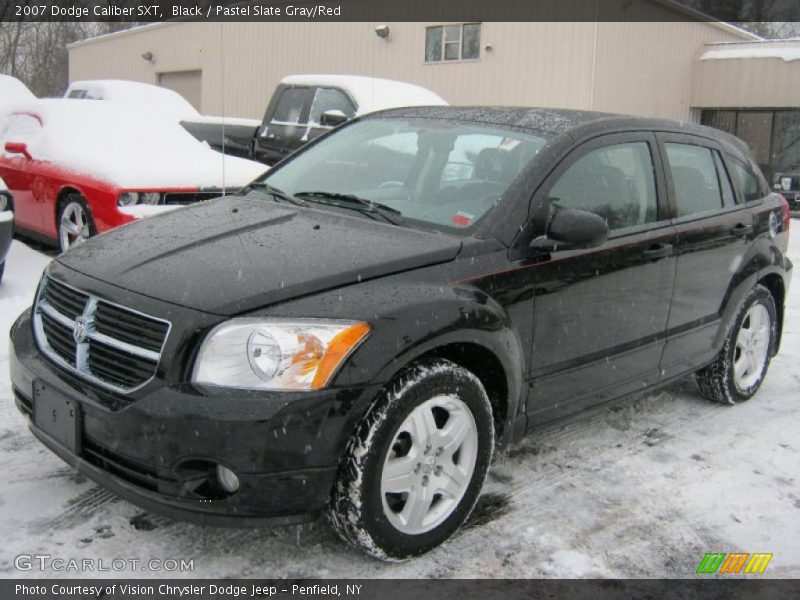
x=640, y=488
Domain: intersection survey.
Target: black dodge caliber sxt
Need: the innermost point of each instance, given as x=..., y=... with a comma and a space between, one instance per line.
x=358, y=331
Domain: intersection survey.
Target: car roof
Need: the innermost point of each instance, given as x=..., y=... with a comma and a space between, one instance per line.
x=557, y=121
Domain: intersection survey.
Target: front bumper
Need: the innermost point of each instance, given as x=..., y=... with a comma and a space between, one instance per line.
x=158, y=451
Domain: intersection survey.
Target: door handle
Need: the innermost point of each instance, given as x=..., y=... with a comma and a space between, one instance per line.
x=657, y=251
x=740, y=229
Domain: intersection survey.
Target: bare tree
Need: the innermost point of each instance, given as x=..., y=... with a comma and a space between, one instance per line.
x=773, y=19
x=36, y=52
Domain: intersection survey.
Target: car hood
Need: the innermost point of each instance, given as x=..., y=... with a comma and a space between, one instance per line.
x=236, y=254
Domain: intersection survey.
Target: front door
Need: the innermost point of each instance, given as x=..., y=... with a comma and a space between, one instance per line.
x=600, y=314
x=327, y=99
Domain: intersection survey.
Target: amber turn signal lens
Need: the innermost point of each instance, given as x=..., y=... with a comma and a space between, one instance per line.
x=339, y=348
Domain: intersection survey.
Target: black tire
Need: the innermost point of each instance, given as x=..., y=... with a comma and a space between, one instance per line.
x=717, y=381
x=65, y=203
x=356, y=510
x=2, y=268
x=9, y=201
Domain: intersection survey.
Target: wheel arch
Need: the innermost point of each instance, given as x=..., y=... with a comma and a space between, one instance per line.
x=65, y=191
x=777, y=287
x=493, y=357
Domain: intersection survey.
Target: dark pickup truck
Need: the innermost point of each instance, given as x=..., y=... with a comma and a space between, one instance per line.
x=302, y=108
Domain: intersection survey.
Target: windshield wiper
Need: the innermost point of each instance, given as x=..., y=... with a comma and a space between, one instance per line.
x=271, y=190
x=350, y=201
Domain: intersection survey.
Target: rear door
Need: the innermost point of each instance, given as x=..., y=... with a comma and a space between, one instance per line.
x=713, y=233
x=284, y=127
x=600, y=315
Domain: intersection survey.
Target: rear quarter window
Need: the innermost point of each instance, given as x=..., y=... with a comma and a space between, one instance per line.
x=751, y=185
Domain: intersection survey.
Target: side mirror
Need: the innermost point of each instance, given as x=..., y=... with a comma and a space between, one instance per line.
x=332, y=118
x=570, y=228
x=18, y=148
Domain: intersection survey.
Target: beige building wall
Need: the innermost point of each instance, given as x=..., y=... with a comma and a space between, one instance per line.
x=753, y=81
x=636, y=68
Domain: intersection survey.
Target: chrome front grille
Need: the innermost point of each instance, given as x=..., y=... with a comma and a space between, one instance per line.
x=108, y=344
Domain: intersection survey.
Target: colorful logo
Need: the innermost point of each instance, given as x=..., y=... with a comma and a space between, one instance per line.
x=736, y=562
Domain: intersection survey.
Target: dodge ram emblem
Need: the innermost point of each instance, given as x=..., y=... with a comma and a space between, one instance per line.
x=79, y=330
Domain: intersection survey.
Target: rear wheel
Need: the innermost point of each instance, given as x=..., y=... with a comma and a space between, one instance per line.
x=741, y=365
x=75, y=223
x=416, y=465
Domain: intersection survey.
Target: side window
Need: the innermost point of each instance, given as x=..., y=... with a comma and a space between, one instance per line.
x=748, y=181
x=694, y=177
x=728, y=197
x=326, y=99
x=290, y=106
x=615, y=182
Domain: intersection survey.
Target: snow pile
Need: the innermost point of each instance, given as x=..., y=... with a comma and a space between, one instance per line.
x=785, y=53
x=235, y=121
x=12, y=90
x=372, y=93
x=122, y=145
x=155, y=98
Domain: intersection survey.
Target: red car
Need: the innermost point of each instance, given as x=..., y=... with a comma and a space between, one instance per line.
x=78, y=168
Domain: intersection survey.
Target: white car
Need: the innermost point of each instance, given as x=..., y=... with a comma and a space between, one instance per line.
x=80, y=168
x=152, y=97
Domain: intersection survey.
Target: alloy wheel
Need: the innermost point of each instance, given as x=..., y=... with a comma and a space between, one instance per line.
x=74, y=226
x=430, y=465
x=752, y=347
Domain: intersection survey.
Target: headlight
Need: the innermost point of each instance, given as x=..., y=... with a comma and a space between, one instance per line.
x=786, y=183
x=149, y=198
x=128, y=199
x=276, y=354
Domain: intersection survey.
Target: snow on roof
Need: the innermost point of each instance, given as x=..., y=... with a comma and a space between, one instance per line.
x=786, y=52
x=13, y=90
x=134, y=92
x=372, y=93
x=121, y=144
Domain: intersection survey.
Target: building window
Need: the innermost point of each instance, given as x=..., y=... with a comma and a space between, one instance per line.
x=453, y=42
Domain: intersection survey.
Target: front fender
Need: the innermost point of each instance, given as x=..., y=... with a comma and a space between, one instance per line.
x=435, y=320
x=411, y=319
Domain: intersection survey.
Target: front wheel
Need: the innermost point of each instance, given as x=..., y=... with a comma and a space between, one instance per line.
x=741, y=365
x=75, y=223
x=415, y=467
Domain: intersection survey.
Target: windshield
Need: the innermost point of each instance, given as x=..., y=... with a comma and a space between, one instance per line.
x=439, y=172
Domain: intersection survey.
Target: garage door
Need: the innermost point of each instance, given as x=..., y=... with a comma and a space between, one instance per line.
x=187, y=83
